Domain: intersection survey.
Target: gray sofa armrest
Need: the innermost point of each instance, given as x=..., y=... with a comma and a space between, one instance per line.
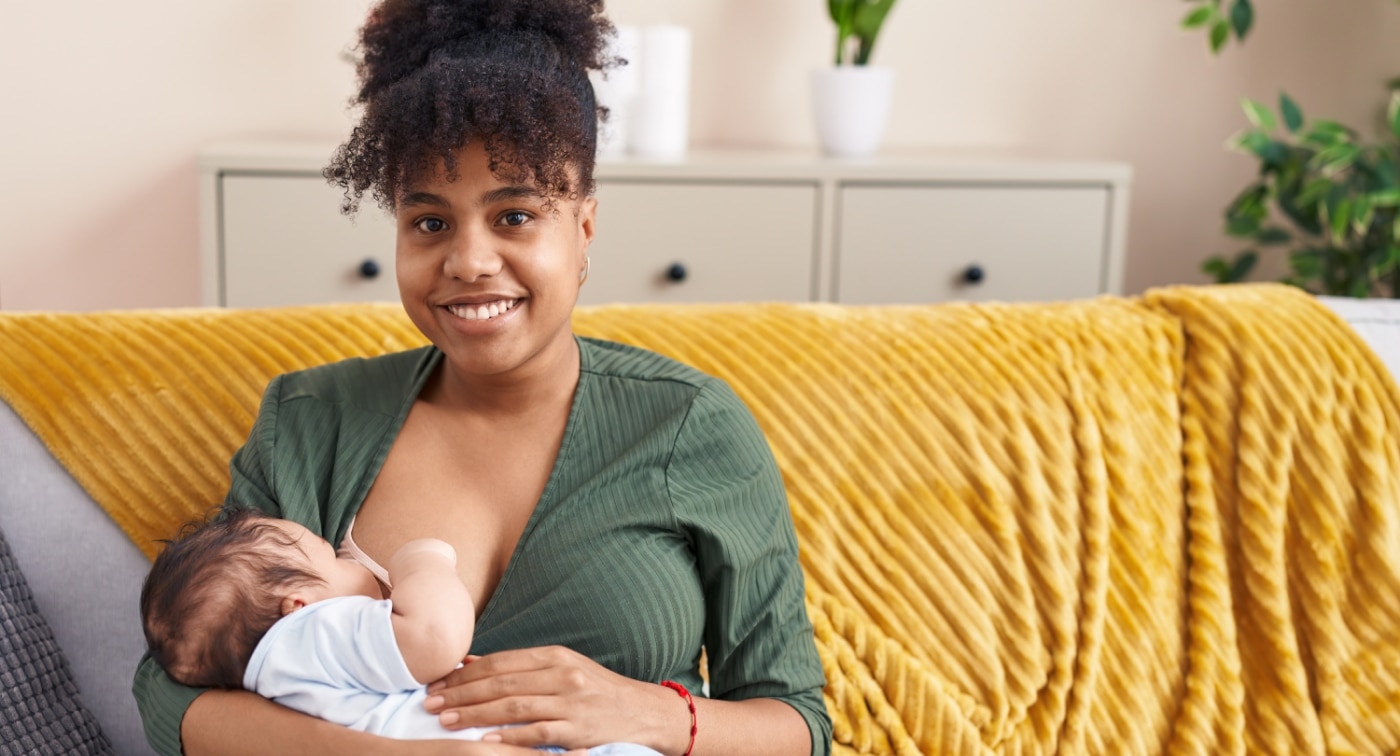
x=84, y=573
x=1378, y=323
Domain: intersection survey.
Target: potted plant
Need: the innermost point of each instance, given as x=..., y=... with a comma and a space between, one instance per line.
x=1323, y=193
x=1337, y=195
x=852, y=97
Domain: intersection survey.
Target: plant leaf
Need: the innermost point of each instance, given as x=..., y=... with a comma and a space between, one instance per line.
x=1323, y=134
x=1292, y=114
x=1314, y=191
x=1273, y=235
x=1242, y=18
x=1259, y=114
x=1253, y=141
x=1394, y=114
x=1219, y=33
x=1336, y=158
x=1386, y=198
x=1306, y=264
x=1242, y=227
x=1339, y=216
x=1392, y=259
x=866, y=21
x=1249, y=204
x=1360, y=287
x=1362, y=213
x=1217, y=269
x=1244, y=263
x=1198, y=17
x=840, y=10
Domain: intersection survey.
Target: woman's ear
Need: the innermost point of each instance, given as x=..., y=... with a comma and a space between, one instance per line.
x=587, y=216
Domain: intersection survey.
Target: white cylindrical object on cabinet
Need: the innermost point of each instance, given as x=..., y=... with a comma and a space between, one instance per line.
x=617, y=91
x=660, y=123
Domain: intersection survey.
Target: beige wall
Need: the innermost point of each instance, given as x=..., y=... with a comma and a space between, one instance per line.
x=101, y=129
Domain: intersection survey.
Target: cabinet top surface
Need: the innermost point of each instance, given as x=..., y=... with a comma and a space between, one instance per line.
x=710, y=164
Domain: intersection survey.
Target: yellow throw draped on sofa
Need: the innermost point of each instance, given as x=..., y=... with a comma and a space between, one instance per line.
x=1168, y=524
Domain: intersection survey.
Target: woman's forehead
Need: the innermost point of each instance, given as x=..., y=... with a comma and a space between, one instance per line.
x=476, y=164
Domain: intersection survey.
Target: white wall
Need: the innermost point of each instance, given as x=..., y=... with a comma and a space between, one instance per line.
x=104, y=105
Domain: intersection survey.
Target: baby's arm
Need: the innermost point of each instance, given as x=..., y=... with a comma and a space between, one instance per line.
x=433, y=613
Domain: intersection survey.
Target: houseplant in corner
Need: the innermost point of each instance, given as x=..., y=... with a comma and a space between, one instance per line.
x=1335, y=200
x=1324, y=193
x=852, y=98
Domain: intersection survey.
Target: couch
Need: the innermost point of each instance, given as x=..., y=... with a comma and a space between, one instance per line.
x=1168, y=523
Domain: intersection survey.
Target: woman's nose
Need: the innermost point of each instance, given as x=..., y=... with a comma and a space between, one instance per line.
x=471, y=256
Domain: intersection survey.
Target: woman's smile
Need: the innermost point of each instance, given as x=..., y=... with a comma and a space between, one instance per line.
x=484, y=310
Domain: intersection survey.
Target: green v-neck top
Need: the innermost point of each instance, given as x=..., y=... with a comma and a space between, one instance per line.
x=664, y=525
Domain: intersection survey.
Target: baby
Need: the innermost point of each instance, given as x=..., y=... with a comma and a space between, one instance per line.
x=261, y=603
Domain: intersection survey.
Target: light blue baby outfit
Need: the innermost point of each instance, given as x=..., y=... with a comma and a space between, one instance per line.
x=337, y=660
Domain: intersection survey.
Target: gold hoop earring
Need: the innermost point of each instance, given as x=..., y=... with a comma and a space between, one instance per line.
x=587, y=263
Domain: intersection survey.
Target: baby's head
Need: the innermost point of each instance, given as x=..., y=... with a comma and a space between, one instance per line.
x=215, y=590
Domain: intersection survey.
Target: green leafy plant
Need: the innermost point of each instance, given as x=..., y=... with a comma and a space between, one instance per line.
x=858, y=23
x=1337, y=195
x=1220, y=21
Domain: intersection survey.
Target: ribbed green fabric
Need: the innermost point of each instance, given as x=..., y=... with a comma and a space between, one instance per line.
x=664, y=524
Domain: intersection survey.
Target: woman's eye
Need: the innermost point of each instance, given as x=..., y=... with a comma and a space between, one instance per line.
x=515, y=218
x=431, y=225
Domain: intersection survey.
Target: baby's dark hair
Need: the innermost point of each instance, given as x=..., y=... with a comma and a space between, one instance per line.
x=437, y=75
x=214, y=592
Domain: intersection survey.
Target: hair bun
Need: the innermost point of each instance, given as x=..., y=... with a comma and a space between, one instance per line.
x=403, y=35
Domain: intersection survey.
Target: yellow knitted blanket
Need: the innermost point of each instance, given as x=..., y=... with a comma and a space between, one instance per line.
x=1168, y=524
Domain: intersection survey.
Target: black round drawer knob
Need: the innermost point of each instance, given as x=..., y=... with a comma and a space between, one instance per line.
x=974, y=274
x=369, y=269
x=676, y=273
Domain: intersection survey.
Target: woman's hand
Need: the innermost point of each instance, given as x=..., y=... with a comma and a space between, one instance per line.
x=560, y=698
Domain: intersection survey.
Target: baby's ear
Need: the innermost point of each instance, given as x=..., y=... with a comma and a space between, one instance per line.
x=291, y=604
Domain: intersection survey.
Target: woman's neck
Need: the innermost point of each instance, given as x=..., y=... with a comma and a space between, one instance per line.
x=539, y=384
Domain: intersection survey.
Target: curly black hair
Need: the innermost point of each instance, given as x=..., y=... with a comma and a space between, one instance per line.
x=437, y=75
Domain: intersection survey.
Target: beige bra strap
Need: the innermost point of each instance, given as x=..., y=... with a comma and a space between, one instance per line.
x=348, y=550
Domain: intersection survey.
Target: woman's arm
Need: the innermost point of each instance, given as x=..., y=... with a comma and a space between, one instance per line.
x=235, y=723
x=569, y=700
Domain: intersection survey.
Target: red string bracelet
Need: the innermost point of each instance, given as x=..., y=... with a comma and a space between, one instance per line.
x=689, y=704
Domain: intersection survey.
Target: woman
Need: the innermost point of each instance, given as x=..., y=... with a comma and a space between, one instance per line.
x=614, y=511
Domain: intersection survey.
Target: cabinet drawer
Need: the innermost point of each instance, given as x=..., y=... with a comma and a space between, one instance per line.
x=918, y=243
x=734, y=242
x=286, y=242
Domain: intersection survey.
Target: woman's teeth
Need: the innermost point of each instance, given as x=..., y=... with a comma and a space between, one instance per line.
x=482, y=311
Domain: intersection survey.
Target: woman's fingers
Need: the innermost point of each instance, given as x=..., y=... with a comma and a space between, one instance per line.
x=502, y=662
x=550, y=696
x=509, y=675
x=549, y=733
x=504, y=711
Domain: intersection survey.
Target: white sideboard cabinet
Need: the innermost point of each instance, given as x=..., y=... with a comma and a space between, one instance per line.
x=715, y=227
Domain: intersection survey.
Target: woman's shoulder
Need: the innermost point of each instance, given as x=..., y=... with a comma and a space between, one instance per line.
x=659, y=383
x=359, y=379
x=617, y=360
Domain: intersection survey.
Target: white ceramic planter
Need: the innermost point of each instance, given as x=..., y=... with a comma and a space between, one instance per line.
x=852, y=106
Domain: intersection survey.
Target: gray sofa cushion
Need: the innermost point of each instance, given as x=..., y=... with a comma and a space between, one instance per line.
x=40, y=709
x=84, y=573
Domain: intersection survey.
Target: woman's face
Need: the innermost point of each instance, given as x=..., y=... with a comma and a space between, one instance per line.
x=487, y=270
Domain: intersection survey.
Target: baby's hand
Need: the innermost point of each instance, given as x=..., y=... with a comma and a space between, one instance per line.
x=422, y=549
